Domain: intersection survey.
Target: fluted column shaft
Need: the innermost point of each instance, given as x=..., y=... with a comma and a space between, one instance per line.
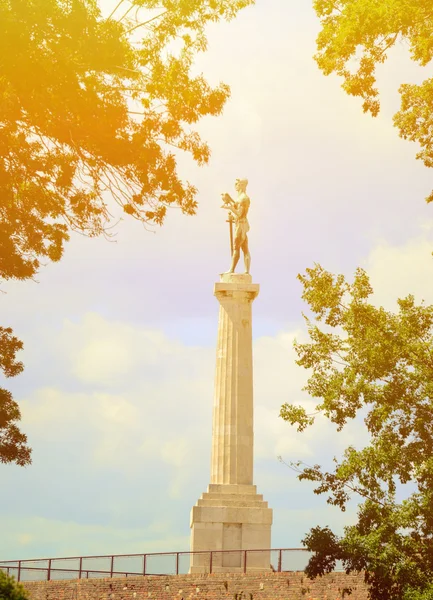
x=232, y=430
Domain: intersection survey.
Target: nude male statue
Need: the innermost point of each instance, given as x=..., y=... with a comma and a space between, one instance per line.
x=239, y=209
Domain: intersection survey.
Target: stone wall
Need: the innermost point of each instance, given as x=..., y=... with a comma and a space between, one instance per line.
x=261, y=586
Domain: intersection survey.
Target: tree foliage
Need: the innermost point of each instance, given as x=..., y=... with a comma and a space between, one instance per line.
x=90, y=105
x=414, y=594
x=93, y=108
x=357, y=35
x=10, y=589
x=13, y=443
x=364, y=359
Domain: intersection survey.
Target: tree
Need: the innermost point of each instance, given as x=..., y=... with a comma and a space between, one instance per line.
x=10, y=589
x=93, y=109
x=367, y=360
x=13, y=443
x=361, y=33
x=88, y=106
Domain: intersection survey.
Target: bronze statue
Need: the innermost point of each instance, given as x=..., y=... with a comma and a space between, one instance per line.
x=238, y=215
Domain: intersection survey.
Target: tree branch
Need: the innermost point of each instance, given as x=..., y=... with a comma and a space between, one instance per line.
x=115, y=8
x=147, y=22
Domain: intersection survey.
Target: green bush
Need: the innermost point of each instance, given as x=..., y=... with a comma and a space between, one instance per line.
x=426, y=594
x=11, y=589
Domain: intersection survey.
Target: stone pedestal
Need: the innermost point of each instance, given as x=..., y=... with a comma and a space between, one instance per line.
x=231, y=515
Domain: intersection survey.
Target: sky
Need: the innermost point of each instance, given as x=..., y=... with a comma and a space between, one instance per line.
x=116, y=396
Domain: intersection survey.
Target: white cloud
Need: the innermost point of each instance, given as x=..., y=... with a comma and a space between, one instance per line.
x=68, y=538
x=25, y=539
x=398, y=270
x=102, y=354
x=279, y=380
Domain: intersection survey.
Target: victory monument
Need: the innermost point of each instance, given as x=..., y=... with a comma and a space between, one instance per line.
x=231, y=515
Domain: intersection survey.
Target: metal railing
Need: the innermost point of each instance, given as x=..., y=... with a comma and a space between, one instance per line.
x=159, y=563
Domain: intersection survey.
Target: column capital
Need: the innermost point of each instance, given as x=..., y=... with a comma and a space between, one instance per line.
x=236, y=286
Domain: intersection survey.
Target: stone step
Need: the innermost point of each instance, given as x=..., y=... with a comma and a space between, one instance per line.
x=231, y=488
x=236, y=503
x=240, y=497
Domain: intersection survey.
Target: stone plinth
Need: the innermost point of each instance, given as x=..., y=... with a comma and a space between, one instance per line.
x=231, y=515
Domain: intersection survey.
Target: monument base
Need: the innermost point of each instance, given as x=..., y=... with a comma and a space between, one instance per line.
x=230, y=518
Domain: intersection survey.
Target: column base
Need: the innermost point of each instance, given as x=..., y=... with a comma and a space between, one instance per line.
x=233, y=518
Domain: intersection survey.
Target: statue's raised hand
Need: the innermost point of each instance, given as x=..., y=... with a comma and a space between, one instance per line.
x=227, y=201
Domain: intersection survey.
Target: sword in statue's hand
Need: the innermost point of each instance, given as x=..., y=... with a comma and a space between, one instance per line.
x=230, y=221
x=228, y=204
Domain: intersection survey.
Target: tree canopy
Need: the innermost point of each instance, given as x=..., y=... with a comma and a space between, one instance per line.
x=357, y=35
x=374, y=364
x=93, y=109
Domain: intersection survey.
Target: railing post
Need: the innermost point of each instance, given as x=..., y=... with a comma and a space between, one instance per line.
x=245, y=561
x=144, y=564
x=19, y=571
x=80, y=567
x=279, y=560
x=210, y=562
x=177, y=563
x=49, y=570
x=112, y=566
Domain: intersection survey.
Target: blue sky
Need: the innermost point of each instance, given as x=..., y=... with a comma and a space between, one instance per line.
x=117, y=392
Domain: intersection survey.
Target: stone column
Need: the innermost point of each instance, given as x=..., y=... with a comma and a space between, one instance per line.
x=231, y=516
x=232, y=434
